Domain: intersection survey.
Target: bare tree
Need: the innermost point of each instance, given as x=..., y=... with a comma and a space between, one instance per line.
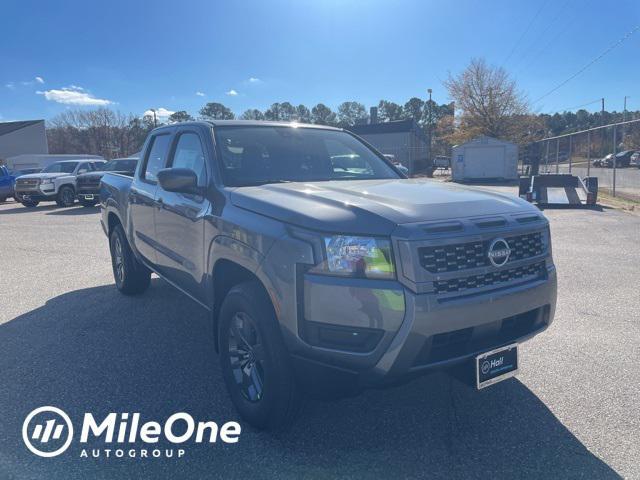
x=97, y=132
x=489, y=102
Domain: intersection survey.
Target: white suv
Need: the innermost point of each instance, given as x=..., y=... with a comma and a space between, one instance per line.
x=57, y=182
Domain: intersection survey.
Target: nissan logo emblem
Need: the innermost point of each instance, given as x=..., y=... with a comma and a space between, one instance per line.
x=499, y=252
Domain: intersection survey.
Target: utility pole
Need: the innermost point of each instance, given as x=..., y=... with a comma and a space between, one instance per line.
x=430, y=126
x=624, y=111
x=624, y=116
x=602, y=144
x=155, y=120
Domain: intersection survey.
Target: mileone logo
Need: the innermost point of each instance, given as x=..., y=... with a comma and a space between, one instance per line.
x=48, y=432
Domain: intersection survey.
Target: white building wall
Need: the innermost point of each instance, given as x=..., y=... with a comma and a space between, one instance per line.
x=484, y=158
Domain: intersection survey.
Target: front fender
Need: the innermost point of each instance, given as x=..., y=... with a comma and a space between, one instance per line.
x=224, y=247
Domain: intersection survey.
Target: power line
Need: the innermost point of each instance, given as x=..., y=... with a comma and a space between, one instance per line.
x=524, y=32
x=552, y=41
x=562, y=84
x=541, y=34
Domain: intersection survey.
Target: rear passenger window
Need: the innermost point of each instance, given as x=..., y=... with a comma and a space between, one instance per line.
x=156, y=157
x=189, y=154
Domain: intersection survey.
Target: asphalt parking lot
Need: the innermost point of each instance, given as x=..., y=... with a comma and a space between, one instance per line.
x=69, y=339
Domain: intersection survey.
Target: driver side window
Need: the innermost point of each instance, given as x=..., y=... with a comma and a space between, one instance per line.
x=189, y=154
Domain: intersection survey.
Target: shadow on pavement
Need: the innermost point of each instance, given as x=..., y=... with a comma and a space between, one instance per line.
x=94, y=350
x=19, y=208
x=75, y=210
x=593, y=208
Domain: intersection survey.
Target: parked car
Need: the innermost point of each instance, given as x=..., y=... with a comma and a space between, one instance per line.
x=8, y=181
x=606, y=161
x=623, y=159
x=88, y=184
x=40, y=161
x=396, y=163
x=442, y=162
x=321, y=277
x=57, y=182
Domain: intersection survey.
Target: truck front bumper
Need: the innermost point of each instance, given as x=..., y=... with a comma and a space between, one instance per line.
x=381, y=335
x=37, y=195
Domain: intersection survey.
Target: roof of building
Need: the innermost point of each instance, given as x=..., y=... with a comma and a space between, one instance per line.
x=8, y=127
x=483, y=139
x=396, y=126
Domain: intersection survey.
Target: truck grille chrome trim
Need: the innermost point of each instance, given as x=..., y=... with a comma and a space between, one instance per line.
x=465, y=256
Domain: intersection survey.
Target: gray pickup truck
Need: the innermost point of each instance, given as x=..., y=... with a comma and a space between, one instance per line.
x=322, y=265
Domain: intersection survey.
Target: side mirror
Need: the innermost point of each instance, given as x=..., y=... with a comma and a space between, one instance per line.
x=179, y=180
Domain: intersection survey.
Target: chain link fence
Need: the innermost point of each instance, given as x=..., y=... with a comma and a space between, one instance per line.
x=609, y=152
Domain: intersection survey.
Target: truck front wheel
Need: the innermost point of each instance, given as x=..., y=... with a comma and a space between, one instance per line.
x=255, y=363
x=66, y=197
x=131, y=276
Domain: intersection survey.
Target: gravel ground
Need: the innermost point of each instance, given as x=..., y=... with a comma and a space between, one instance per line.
x=69, y=339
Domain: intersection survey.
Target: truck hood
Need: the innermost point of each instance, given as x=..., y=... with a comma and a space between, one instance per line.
x=45, y=175
x=373, y=207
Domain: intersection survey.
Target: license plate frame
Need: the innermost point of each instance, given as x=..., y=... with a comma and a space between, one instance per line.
x=88, y=197
x=497, y=365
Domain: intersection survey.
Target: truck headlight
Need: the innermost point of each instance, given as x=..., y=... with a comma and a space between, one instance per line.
x=352, y=256
x=46, y=181
x=546, y=240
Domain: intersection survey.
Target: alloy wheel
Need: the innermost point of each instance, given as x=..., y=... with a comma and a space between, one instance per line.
x=246, y=354
x=118, y=260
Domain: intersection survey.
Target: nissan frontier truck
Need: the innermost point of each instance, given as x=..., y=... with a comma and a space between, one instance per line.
x=321, y=264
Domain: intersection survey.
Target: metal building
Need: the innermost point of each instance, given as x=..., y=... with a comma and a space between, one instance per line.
x=404, y=139
x=17, y=138
x=484, y=158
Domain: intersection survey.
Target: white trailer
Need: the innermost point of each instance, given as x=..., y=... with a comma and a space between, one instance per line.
x=484, y=158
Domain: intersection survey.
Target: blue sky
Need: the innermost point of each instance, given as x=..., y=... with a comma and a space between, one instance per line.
x=132, y=56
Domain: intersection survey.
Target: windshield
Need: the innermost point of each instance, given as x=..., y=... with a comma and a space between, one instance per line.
x=61, y=167
x=260, y=155
x=118, y=166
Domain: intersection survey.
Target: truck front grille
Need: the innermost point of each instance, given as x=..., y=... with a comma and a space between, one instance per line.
x=464, y=256
x=496, y=278
x=27, y=182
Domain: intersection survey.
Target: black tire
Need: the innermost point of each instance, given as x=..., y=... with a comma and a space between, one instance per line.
x=66, y=196
x=88, y=203
x=247, y=319
x=29, y=204
x=131, y=276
